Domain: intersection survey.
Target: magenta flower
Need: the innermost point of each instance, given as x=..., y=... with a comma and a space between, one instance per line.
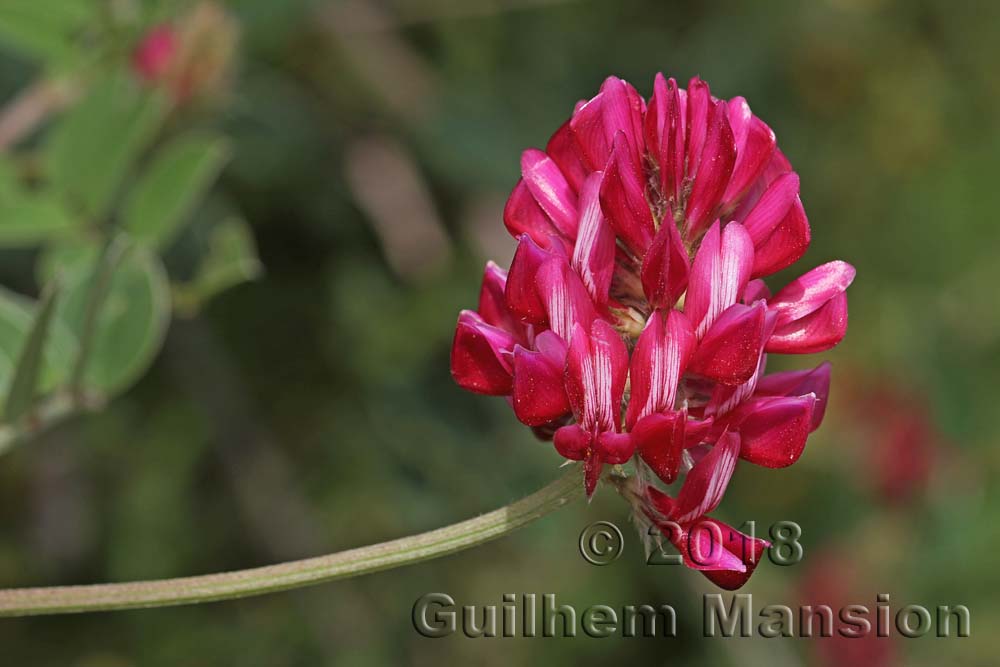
x=634, y=323
x=153, y=56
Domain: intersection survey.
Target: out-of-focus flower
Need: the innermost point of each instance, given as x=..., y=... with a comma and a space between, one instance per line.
x=190, y=57
x=152, y=57
x=902, y=442
x=905, y=457
x=830, y=580
x=647, y=227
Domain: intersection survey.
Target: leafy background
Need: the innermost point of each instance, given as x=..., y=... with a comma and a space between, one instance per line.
x=345, y=181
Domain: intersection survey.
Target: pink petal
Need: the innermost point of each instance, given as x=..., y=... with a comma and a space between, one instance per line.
x=548, y=186
x=756, y=290
x=815, y=332
x=521, y=289
x=702, y=545
x=778, y=226
x=715, y=166
x=659, y=359
x=706, y=483
x=659, y=440
x=730, y=351
x=587, y=126
x=592, y=466
x=523, y=215
x=665, y=267
x=566, y=300
x=755, y=143
x=623, y=199
x=656, y=125
x=572, y=442
x=594, y=253
x=750, y=552
x=773, y=430
x=811, y=291
x=493, y=303
x=563, y=150
x=699, y=106
x=479, y=353
x=696, y=431
x=726, y=397
x=772, y=207
x=615, y=448
x=719, y=274
x=785, y=245
x=799, y=383
x=617, y=108
x=622, y=110
x=538, y=394
x=777, y=166
x=665, y=135
x=660, y=502
x=596, y=369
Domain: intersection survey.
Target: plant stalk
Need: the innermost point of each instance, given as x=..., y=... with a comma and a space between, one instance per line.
x=295, y=574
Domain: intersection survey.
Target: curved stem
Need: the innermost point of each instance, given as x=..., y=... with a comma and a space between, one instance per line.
x=294, y=574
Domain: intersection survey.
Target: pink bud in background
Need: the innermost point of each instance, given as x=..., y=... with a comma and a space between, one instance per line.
x=191, y=57
x=152, y=57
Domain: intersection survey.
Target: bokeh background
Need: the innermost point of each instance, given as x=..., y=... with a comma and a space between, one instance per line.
x=371, y=146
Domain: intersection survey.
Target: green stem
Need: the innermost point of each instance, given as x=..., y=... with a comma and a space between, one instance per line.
x=295, y=574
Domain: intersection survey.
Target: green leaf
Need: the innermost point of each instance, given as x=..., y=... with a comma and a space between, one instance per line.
x=45, y=29
x=31, y=360
x=16, y=316
x=94, y=145
x=32, y=221
x=231, y=260
x=29, y=218
x=98, y=285
x=165, y=194
x=64, y=258
x=130, y=323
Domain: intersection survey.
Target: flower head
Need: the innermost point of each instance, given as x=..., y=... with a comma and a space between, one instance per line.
x=634, y=321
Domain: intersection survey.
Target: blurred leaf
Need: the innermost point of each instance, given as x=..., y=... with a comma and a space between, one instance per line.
x=98, y=281
x=93, y=146
x=16, y=318
x=45, y=29
x=130, y=323
x=181, y=173
x=231, y=260
x=57, y=258
x=33, y=220
x=24, y=386
x=28, y=218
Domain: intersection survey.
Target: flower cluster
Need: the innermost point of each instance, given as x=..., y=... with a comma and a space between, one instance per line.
x=633, y=321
